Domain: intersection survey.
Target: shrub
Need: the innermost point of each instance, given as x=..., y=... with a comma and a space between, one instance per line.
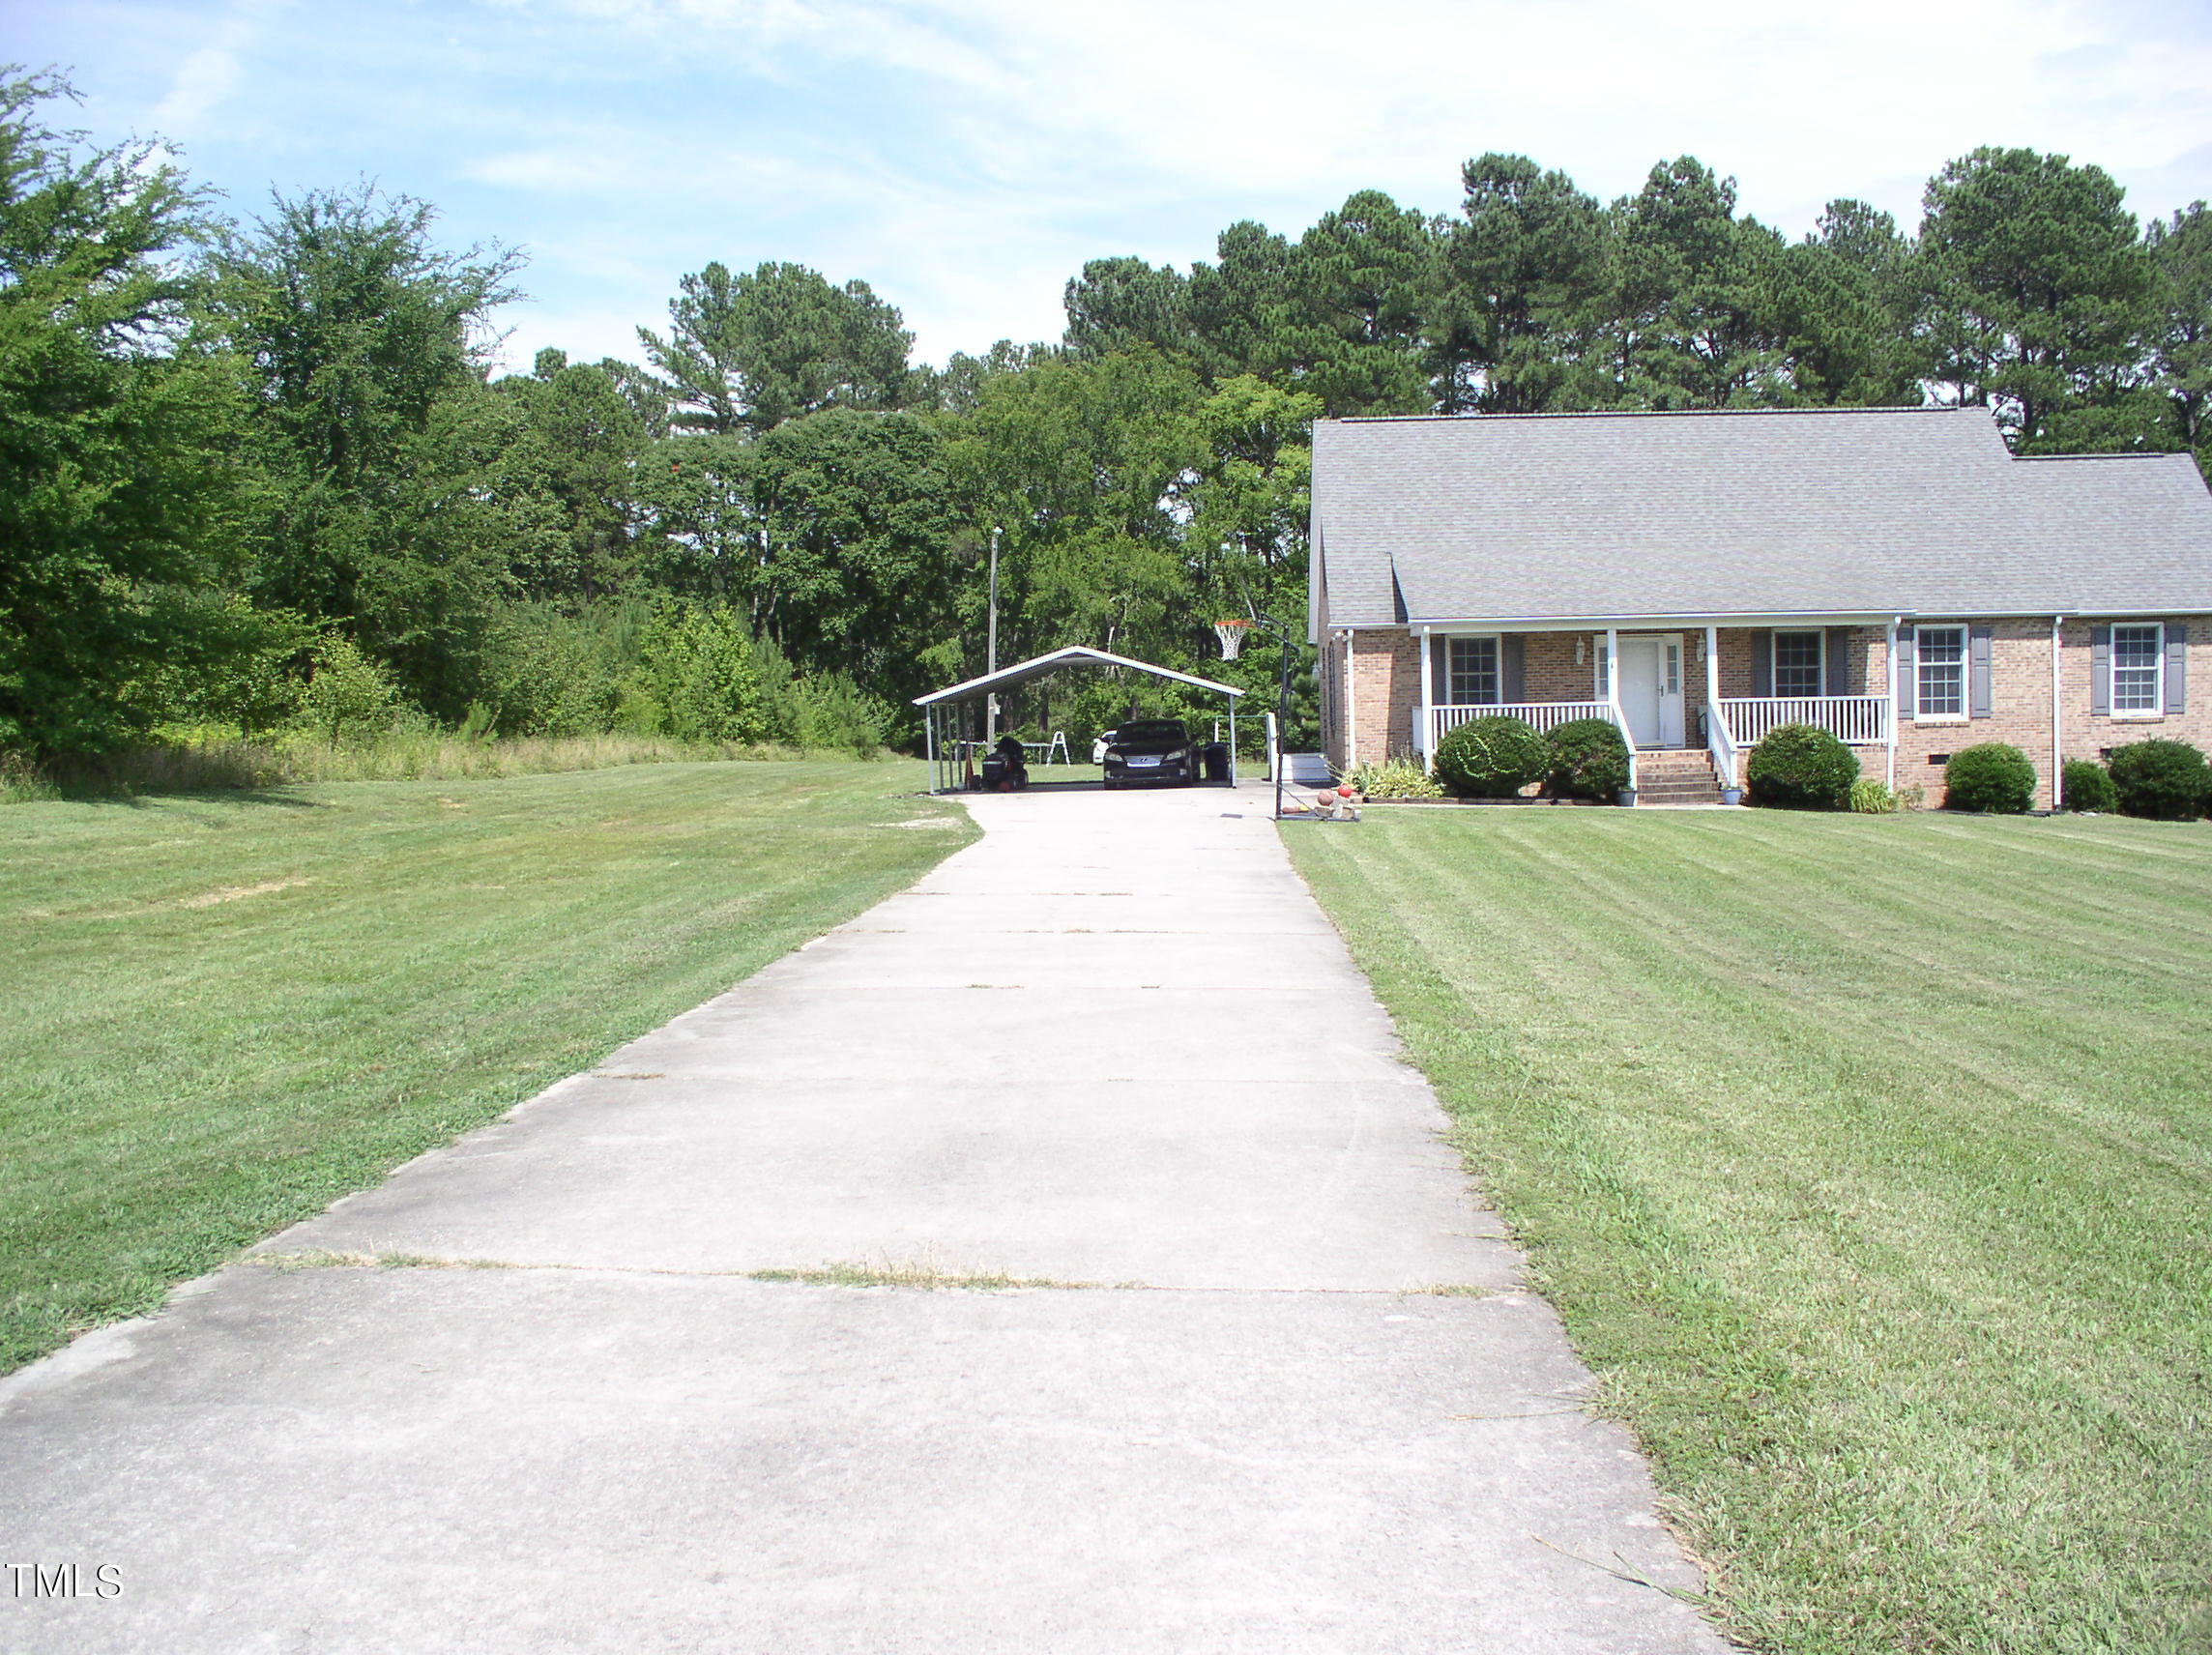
x=1872, y=797
x=1800, y=767
x=2160, y=778
x=348, y=695
x=2085, y=784
x=695, y=673
x=1492, y=758
x=1588, y=760
x=1994, y=777
x=1403, y=777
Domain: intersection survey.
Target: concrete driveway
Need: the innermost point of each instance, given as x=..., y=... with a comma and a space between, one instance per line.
x=648, y=1366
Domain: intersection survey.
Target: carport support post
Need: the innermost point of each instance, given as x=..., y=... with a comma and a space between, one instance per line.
x=929, y=740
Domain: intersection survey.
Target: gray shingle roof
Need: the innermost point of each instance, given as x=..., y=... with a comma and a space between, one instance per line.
x=1830, y=511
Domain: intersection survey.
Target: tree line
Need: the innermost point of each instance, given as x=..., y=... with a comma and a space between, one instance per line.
x=259, y=474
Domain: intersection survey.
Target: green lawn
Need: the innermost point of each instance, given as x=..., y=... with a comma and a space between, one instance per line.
x=221, y=1013
x=1870, y=1162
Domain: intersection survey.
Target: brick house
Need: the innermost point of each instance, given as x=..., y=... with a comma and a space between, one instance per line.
x=1893, y=575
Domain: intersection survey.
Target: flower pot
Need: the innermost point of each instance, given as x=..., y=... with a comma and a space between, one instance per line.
x=1731, y=795
x=1627, y=798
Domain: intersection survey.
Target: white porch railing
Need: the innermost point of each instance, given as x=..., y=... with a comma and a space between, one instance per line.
x=1545, y=715
x=1721, y=744
x=1857, y=720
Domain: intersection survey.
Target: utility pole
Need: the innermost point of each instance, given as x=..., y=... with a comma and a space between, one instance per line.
x=991, y=658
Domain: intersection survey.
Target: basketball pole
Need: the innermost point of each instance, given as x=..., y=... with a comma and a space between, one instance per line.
x=991, y=649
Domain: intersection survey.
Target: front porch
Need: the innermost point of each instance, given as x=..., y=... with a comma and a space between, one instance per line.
x=1716, y=689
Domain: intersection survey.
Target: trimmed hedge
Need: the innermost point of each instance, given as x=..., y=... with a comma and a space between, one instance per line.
x=1994, y=777
x=1800, y=767
x=1492, y=757
x=2087, y=785
x=1588, y=760
x=2167, y=780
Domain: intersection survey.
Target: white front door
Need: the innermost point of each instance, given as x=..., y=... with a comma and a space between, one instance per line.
x=1651, y=689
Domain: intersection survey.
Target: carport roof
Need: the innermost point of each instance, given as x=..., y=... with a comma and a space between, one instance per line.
x=1074, y=655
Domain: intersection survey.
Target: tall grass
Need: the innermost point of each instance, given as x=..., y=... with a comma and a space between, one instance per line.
x=215, y=763
x=20, y=780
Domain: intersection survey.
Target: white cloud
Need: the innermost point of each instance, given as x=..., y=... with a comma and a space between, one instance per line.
x=1259, y=94
x=1015, y=138
x=203, y=80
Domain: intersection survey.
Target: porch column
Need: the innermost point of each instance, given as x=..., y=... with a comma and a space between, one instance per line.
x=1889, y=677
x=1713, y=693
x=1613, y=698
x=1423, y=736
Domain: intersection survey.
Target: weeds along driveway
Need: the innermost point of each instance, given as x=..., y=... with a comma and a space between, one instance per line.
x=1057, y=1256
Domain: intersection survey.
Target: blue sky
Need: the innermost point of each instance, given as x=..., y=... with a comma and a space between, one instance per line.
x=967, y=156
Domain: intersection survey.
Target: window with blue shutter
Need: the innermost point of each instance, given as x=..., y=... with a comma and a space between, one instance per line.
x=1940, y=689
x=2138, y=668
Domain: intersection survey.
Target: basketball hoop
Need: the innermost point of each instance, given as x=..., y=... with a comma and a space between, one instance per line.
x=1231, y=636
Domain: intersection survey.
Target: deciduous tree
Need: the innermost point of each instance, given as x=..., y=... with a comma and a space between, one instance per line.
x=120, y=488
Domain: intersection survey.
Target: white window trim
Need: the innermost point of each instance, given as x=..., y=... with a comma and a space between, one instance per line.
x=1966, y=713
x=2157, y=708
x=1497, y=639
x=1774, y=660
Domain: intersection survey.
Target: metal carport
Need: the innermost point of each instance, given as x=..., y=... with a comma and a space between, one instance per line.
x=947, y=770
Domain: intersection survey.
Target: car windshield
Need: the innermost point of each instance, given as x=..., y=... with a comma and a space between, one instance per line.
x=1150, y=732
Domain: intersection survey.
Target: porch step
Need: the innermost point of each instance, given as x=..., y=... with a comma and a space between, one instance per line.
x=1676, y=777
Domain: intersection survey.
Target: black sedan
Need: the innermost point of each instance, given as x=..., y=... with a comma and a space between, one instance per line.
x=1153, y=750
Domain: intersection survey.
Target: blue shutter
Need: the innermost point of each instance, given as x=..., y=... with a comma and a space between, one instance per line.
x=1978, y=671
x=1905, y=673
x=1512, y=669
x=2176, y=667
x=1439, y=671
x=1762, y=663
x=2101, y=671
x=1836, y=679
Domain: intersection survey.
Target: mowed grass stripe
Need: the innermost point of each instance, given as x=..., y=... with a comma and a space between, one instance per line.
x=1870, y=1162
x=178, y=1081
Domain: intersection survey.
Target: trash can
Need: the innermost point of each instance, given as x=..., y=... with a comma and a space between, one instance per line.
x=1215, y=757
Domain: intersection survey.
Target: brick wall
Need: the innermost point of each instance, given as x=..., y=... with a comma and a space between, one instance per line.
x=2088, y=736
x=1329, y=677
x=1549, y=668
x=2019, y=712
x=1384, y=691
x=2019, y=706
